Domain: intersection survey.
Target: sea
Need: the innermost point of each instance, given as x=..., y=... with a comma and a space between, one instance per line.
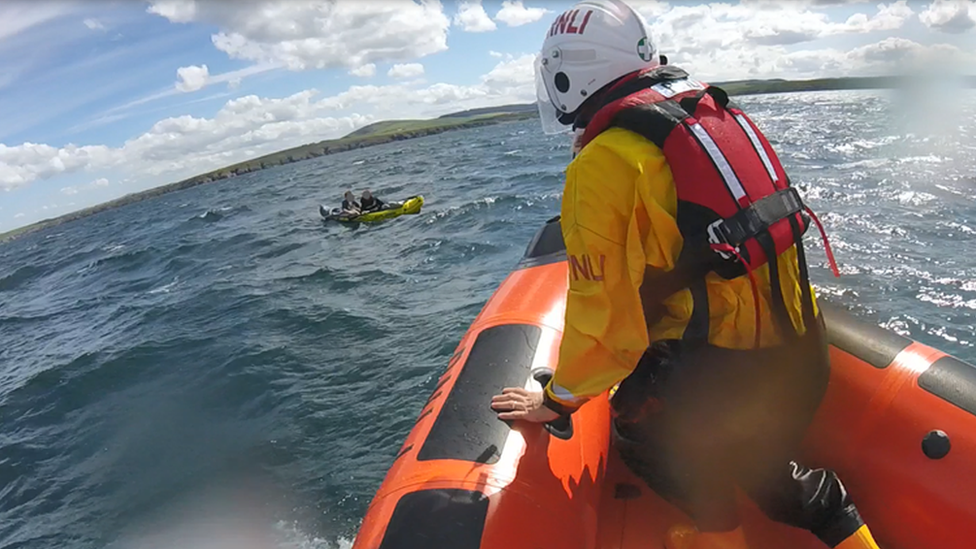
x=219, y=367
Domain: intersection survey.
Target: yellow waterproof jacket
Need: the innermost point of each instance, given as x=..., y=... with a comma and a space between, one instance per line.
x=619, y=218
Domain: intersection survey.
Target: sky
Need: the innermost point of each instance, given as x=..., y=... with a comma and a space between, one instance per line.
x=99, y=99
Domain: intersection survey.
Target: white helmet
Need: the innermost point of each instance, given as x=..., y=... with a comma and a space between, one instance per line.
x=586, y=48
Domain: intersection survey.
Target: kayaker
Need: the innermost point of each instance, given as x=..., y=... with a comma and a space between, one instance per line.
x=732, y=367
x=370, y=203
x=349, y=205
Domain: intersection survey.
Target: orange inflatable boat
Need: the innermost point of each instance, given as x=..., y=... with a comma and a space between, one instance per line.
x=898, y=424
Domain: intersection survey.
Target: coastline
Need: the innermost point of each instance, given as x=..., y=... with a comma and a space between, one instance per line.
x=397, y=130
x=394, y=131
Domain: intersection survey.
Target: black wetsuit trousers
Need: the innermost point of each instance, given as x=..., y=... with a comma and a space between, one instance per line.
x=721, y=418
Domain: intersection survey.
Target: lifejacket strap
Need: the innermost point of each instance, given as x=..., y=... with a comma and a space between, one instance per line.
x=827, y=248
x=698, y=328
x=806, y=293
x=690, y=104
x=761, y=215
x=781, y=318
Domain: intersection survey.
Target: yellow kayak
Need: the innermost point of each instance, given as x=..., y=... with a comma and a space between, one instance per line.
x=409, y=206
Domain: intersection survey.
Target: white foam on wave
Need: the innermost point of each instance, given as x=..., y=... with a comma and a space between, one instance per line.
x=207, y=533
x=915, y=198
x=897, y=325
x=924, y=159
x=867, y=163
x=291, y=536
x=225, y=518
x=943, y=299
x=167, y=288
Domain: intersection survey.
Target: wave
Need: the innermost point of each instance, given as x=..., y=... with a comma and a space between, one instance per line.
x=21, y=277
x=217, y=214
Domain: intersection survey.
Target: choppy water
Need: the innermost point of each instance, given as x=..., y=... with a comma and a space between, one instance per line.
x=219, y=364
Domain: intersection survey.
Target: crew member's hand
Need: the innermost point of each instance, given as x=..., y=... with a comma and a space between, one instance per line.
x=518, y=403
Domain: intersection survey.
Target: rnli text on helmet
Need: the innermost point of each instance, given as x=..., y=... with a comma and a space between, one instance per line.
x=564, y=24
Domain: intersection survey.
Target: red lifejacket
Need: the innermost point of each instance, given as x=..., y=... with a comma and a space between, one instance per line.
x=736, y=208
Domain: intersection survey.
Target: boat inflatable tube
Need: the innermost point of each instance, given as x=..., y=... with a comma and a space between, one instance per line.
x=409, y=206
x=898, y=424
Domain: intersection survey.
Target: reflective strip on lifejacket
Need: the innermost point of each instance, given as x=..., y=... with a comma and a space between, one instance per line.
x=757, y=145
x=731, y=181
x=670, y=88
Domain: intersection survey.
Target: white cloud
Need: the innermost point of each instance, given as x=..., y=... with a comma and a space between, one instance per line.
x=18, y=215
x=24, y=164
x=722, y=41
x=886, y=51
x=888, y=56
x=233, y=77
x=251, y=126
x=515, y=73
x=471, y=17
x=951, y=16
x=93, y=24
x=244, y=127
x=318, y=34
x=71, y=191
x=889, y=17
x=365, y=71
x=651, y=8
x=904, y=54
x=192, y=78
x=185, y=145
x=510, y=81
x=803, y=3
x=17, y=17
x=177, y=11
x=407, y=70
x=707, y=28
x=514, y=14
x=494, y=53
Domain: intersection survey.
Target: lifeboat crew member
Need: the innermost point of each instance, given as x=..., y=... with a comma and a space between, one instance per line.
x=689, y=299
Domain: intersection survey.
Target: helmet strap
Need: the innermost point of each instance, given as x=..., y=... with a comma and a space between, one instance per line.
x=589, y=108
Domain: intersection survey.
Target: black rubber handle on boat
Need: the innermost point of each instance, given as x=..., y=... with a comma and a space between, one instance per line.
x=562, y=426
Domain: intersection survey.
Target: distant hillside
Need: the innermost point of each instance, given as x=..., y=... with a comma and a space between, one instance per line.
x=527, y=108
x=374, y=134
x=755, y=87
x=387, y=127
x=396, y=130
x=445, y=121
